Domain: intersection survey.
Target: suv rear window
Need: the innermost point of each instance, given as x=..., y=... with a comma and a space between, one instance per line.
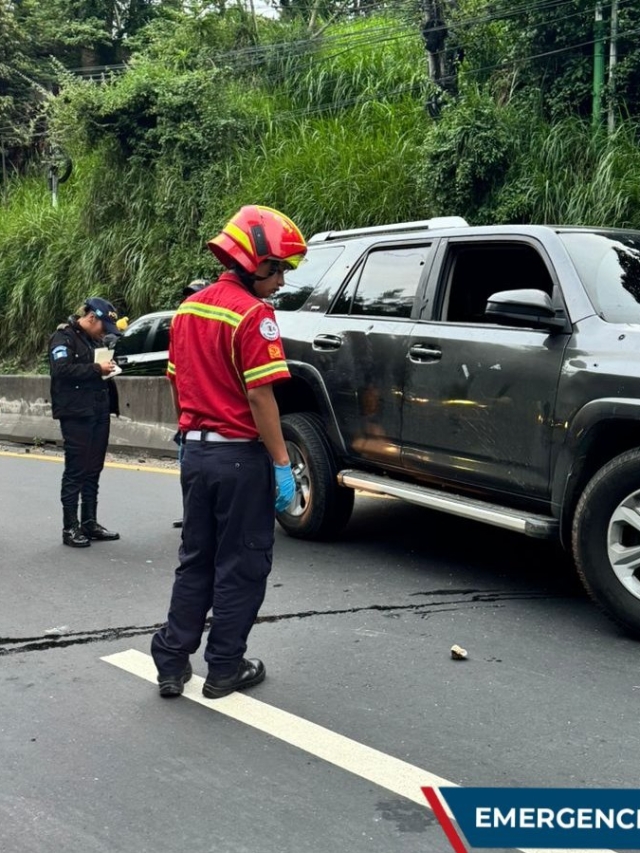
x=609, y=267
x=299, y=284
x=386, y=285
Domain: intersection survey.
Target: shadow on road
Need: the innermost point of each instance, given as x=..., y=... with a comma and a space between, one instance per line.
x=496, y=556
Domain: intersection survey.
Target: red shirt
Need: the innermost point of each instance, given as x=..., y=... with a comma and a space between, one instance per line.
x=223, y=341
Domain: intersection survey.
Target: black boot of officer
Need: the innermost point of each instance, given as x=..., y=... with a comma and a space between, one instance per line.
x=90, y=527
x=72, y=533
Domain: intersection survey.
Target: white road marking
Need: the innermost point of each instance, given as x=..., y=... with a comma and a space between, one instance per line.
x=350, y=755
x=370, y=764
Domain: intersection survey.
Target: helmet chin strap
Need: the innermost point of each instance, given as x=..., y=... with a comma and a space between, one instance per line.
x=249, y=279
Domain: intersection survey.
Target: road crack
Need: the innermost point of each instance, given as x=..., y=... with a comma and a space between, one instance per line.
x=466, y=598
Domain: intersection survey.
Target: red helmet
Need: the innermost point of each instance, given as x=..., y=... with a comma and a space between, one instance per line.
x=257, y=234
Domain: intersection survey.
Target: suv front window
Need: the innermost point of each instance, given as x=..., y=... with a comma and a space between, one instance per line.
x=609, y=267
x=475, y=272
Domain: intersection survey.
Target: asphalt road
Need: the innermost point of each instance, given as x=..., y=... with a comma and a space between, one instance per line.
x=356, y=636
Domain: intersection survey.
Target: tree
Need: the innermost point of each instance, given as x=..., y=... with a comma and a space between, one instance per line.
x=37, y=36
x=547, y=49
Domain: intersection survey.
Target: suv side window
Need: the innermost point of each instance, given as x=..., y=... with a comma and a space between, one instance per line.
x=387, y=284
x=475, y=272
x=134, y=339
x=160, y=341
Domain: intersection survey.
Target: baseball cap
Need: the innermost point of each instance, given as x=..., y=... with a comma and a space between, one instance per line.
x=104, y=311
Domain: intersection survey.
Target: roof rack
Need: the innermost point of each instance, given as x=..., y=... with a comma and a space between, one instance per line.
x=421, y=225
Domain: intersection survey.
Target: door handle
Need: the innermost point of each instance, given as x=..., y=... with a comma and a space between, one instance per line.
x=326, y=343
x=422, y=354
x=121, y=359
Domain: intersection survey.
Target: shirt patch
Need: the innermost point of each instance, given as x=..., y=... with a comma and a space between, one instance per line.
x=60, y=352
x=274, y=351
x=269, y=329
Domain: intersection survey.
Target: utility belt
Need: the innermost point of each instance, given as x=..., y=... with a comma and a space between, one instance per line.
x=210, y=435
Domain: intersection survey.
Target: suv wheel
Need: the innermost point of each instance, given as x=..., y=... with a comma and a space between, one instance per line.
x=321, y=507
x=606, y=539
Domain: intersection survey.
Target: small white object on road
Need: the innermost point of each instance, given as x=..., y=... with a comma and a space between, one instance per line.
x=57, y=632
x=458, y=653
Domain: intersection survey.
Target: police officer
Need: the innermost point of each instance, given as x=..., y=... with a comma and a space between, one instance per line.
x=225, y=353
x=83, y=401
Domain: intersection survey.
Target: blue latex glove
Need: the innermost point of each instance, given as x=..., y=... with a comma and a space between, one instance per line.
x=285, y=486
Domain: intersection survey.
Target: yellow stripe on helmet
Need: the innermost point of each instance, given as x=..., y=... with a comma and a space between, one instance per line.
x=239, y=236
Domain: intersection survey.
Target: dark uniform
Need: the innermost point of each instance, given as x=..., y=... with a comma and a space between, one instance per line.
x=224, y=347
x=83, y=402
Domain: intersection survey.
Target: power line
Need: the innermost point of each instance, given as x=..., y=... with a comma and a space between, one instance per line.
x=405, y=89
x=363, y=42
x=354, y=39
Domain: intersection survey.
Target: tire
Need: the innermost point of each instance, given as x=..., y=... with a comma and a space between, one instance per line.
x=606, y=539
x=321, y=508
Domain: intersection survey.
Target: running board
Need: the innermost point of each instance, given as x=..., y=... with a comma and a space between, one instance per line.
x=531, y=524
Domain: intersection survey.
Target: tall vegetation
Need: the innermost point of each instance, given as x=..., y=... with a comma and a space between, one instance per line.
x=334, y=118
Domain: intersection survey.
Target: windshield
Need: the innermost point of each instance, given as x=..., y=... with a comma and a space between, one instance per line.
x=609, y=265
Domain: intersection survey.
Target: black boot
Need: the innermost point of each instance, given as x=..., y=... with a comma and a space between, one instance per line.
x=72, y=533
x=91, y=528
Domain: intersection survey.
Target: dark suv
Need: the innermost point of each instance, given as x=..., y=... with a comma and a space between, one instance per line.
x=488, y=372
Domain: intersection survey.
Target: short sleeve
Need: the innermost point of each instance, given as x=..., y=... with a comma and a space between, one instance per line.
x=258, y=348
x=171, y=364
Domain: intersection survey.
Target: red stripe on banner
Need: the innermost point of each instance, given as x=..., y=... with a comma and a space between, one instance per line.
x=443, y=819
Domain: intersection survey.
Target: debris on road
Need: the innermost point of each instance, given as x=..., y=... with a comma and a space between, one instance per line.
x=458, y=653
x=60, y=631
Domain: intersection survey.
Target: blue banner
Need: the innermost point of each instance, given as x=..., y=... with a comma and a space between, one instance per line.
x=547, y=818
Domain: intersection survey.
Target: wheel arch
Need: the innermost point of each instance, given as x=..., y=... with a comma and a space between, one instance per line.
x=601, y=430
x=306, y=392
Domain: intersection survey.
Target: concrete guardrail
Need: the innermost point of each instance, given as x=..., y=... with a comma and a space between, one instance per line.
x=147, y=420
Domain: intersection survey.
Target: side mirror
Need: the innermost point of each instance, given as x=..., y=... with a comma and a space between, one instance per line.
x=531, y=308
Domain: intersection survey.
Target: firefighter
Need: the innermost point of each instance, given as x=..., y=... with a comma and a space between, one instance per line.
x=225, y=354
x=83, y=399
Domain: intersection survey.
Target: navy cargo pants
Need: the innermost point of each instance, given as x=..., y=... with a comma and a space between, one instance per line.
x=228, y=491
x=85, y=448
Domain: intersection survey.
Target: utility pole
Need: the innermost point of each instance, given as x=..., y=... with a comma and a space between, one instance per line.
x=598, y=64
x=613, y=61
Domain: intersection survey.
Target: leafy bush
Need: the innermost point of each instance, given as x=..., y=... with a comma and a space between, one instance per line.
x=466, y=155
